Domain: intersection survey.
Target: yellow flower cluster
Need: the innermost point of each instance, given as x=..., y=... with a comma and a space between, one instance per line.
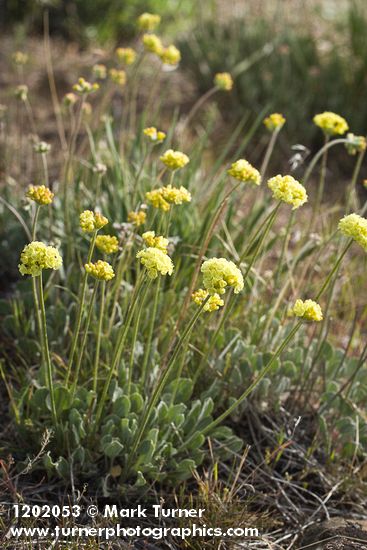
x=69, y=99
x=100, y=270
x=275, y=121
x=214, y=302
x=40, y=194
x=107, y=243
x=242, y=170
x=155, y=261
x=21, y=92
x=331, y=123
x=37, y=256
x=174, y=159
x=170, y=55
x=152, y=43
x=148, y=21
x=99, y=71
x=308, y=310
x=223, y=81
x=165, y=196
x=20, y=58
x=83, y=87
x=152, y=241
x=153, y=134
x=218, y=273
x=355, y=144
x=289, y=190
x=91, y=221
x=126, y=55
x=42, y=147
x=355, y=226
x=118, y=76
x=137, y=218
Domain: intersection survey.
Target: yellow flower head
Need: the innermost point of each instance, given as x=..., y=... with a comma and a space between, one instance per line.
x=42, y=147
x=107, y=243
x=118, y=76
x=21, y=92
x=163, y=197
x=289, y=190
x=153, y=134
x=37, y=256
x=20, y=58
x=174, y=159
x=170, y=55
x=100, y=270
x=99, y=71
x=218, y=273
x=274, y=122
x=69, y=99
x=152, y=43
x=214, y=302
x=137, y=218
x=331, y=124
x=126, y=55
x=152, y=241
x=223, y=81
x=355, y=226
x=155, y=261
x=91, y=221
x=83, y=87
x=244, y=171
x=355, y=144
x=148, y=21
x=308, y=310
x=40, y=194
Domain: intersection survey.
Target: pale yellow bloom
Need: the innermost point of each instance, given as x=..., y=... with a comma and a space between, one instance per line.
x=152, y=43
x=126, y=55
x=174, y=159
x=153, y=134
x=148, y=21
x=355, y=226
x=308, y=310
x=118, y=76
x=163, y=197
x=355, y=144
x=331, y=123
x=99, y=71
x=42, y=147
x=242, y=170
x=218, y=273
x=137, y=218
x=275, y=121
x=91, y=221
x=223, y=81
x=288, y=190
x=153, y=241
x=40, y=194
x=69, y=99
x=214, y=302
x=83, y=87
x=20, y=58
x=156, y=262
x=170, y=55
x=100, y=270
x=21, y=92
x=37, y=256
x=107, y=243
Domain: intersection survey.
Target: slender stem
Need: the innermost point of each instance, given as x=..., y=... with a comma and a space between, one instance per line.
x=119, y=346
x=335, y=268
x=200, y=102
x=351, y=189
x=85, y=337
x=321, y=187
x=47, y=350
x=34, y=224
x=135, y=336
x=80, y=310
x=160, y=387
x=269, y=152
x=318, y=155
x=148, y=343
x=99, y=334
x=34, y=285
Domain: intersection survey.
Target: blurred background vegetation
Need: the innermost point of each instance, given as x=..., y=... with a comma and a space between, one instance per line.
x=292, y=56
